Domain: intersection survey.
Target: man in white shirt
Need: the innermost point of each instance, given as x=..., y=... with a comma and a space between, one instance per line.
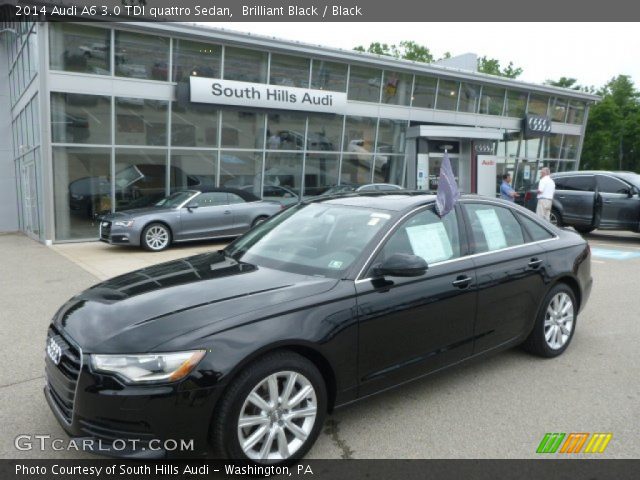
x=546, y=190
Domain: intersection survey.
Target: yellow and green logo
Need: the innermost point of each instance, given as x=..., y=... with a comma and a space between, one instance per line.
x=573, y=442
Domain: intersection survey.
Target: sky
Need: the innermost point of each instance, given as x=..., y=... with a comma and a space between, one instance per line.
x=591, y=52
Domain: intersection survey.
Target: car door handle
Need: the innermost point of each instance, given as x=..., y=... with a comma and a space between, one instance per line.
x=535, y=263
x=607, y=201
x=227, y=212
x=461, y=282
x=561, y=196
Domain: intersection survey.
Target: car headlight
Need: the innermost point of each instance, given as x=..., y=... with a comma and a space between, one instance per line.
x=146, y=368
x=123, y=223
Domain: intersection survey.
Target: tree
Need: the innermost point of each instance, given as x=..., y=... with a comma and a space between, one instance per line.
x=492, y=66
x=410, y=50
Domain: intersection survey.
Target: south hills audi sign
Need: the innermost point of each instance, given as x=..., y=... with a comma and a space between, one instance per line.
x=258, y=95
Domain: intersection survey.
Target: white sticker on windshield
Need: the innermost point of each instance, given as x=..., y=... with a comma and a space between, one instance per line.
x=373, y=221
x=386, y=216
x=337, y=264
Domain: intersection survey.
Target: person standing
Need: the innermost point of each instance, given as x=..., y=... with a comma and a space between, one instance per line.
x=546, y=190
x=506, y=190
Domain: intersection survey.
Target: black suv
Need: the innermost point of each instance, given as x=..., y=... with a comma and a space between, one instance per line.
x=587, y=200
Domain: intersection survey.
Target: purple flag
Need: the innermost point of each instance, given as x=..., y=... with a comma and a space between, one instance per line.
x=448, y=193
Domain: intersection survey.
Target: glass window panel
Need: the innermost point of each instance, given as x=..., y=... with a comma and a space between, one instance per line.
x=81, y=190
x=538, y=104
x=241, y=170
x=388, y=169
x=28, y=125
x=284, y=170
x=141, y=177
x=77, y=118
x=558, y=109
x=79, y=48
x=570, y=147
x=329, y=76
x=356, y=169
x=364, y=84
x=516, y=104
x=396, y=88
x=359, y=134
x=447, y=95
x=194, y=125
x=391, y=136
x=192, y=169
x=552, y=146
x=141, y=122
x=536, y=231
x=36, y=120
x=320, y=173
x=245, y=65
x=492, y=100
x=424, y=92
x=469, y=96
x=285, y=130
x=493, y=227
x=325, y=132
x=242, y=129
x=289, y=71
x=141, y=56
x=195, y=58
x=33, y=51
x=576, y=112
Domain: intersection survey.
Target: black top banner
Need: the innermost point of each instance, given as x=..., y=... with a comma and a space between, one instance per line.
x=323, y=10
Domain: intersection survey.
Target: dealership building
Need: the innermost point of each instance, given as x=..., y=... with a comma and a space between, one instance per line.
x=111, y=116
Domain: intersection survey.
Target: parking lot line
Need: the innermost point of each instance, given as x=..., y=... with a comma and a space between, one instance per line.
x=617, y=245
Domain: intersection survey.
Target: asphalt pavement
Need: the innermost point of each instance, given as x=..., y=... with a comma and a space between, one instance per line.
x=500, y=407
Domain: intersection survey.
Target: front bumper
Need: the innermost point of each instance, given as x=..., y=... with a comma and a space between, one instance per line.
x=106, y=417
x=114, y=235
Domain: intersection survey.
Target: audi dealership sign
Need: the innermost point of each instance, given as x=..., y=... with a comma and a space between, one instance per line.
x=246, y=94
x=537, y=126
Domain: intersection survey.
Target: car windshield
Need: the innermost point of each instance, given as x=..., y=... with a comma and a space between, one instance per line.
x=313, y=239
x=175, y=199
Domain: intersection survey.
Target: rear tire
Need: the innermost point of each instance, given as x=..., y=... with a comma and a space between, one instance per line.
x=555, y=218
x=155, y=237
x=259, y=220
x=584, y=230
x=276, y=430
x=555, y=324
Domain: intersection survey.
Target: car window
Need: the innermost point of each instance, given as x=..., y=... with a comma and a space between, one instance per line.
x=426, y=235
x=536, y=231
x=582, y=183
x=611, y=185
x=234, y=198
x=493, y=227
x=210, y=199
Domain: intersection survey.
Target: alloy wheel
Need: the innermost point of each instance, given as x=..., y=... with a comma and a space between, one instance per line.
x=558, y=321
x=277, y=417
x=157, y=237
x=553, y=218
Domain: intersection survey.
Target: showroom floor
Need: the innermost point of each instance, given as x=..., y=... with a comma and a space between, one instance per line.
x=106, y=261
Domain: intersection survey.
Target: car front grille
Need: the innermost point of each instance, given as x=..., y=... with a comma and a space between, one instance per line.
x=62, y=377
x=105, y=230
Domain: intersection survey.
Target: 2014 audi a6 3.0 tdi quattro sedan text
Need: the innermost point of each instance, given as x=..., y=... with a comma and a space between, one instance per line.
x=245, y=350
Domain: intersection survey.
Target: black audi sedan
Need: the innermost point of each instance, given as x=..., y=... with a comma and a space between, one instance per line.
x=242, y=352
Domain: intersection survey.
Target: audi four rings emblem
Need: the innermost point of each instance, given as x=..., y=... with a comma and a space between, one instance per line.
x=54, y=351
x=539, y=124
x=483, y=148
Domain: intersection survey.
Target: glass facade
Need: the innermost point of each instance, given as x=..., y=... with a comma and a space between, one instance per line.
x=122, y=151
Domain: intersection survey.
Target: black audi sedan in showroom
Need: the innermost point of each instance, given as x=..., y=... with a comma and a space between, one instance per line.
x=245, y=350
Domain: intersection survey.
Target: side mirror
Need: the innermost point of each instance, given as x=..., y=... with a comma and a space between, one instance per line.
x=402, y=265
x=192, y=205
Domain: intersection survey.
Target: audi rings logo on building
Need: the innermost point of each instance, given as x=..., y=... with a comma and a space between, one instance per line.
x=536, y=126
x=54, y=351
x=484, y=148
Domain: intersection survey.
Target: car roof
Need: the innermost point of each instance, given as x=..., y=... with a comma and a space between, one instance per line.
x=593, y=172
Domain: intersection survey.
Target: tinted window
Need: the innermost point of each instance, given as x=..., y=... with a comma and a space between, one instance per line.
x=493, y=227
x=611, y=185
x=583, y=183
x=425, y=235
x=210, y=199
x=536, y=231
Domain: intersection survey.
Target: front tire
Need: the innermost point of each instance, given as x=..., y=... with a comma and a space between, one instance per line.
x=555, y=324
x=272, y=412
x=155, y=237
x=555, y=218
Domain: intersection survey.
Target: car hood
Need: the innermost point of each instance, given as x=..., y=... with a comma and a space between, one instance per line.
x=135, y=312
x=134, y=212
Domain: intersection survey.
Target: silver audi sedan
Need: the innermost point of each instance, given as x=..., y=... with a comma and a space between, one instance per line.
x=187, y=215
